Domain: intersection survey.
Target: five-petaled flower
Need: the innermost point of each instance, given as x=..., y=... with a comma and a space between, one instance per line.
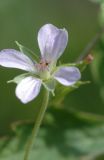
x=52, y=43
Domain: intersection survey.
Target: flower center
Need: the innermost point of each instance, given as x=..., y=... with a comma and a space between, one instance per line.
x=43, y=69
x=42, y=65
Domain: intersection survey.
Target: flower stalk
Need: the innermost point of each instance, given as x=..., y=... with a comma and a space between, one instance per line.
x=37, y=124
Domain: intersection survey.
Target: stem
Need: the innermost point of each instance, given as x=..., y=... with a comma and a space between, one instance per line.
x=37, y=124
x=91, y=45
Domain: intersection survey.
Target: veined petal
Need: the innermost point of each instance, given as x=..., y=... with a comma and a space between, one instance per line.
x=67, y=75
x=28, y=89
x=15, y=59
x=52, y=42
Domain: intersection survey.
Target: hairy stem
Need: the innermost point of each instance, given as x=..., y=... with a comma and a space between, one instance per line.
x=37, y=124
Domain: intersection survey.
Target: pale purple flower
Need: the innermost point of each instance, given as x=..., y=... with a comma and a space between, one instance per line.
x=52, y=43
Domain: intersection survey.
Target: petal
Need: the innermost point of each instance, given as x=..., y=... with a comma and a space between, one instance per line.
x=67, y=75
x=52, y=41
x=28, y=89
x=15, y=59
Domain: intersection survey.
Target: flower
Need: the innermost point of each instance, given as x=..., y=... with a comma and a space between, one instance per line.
x=52, y=43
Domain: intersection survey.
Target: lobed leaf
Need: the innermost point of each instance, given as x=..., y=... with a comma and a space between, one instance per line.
x=69, y=136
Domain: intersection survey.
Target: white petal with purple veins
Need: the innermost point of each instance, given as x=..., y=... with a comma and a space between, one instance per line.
x=52, y=42
x=67, y=75
x=28, y=89
x=15, y=59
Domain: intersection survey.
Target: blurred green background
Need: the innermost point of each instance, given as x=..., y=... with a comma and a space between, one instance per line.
x=20, y=20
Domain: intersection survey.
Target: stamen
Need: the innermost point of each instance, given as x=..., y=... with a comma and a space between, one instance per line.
x=43, y=65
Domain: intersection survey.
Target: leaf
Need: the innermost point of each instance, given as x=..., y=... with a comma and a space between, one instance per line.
x=68, y=136
x=28, y=52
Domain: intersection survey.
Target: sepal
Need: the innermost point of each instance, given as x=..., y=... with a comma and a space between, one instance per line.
x=27, y=52
x=18, y=78
x=50, y=85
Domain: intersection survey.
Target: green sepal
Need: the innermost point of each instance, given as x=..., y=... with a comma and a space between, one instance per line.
x=50, y=85
x=17, y=79
x=27, y=52
x=81, y=65
x=80, y=83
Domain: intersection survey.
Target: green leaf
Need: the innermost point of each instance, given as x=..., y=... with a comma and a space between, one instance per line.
x=28, y=52
x=68, y=136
